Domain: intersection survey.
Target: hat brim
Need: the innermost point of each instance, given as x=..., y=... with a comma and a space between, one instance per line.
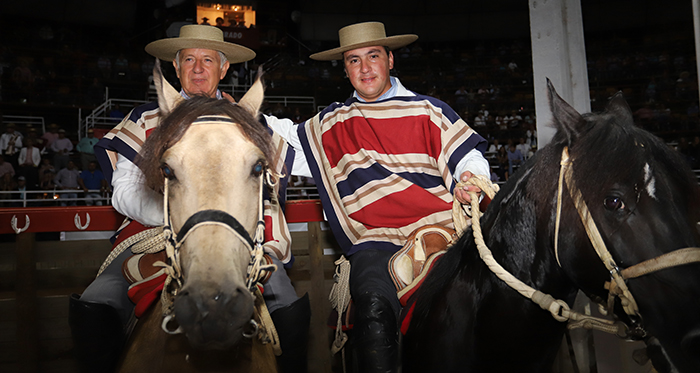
x=166, y=49
x=392, y=42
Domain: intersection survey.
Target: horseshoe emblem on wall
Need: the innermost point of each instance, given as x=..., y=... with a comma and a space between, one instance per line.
x=13, y=223
x=76, y=219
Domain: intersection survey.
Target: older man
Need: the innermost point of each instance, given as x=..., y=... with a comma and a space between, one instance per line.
x=201, y=58
x=386, y=162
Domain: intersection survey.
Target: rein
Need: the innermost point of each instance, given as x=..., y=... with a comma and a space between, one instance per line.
x=617, y=287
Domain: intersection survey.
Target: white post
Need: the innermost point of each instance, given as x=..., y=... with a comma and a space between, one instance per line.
x=558, y=53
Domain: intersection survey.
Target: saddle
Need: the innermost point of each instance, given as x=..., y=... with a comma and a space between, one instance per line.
x=409, y=265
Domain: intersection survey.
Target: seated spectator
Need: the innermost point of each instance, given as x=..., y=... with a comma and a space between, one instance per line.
x=502, y=160
x=49, y=137
x=61, y=150
x=116, y=113
x=495, y=147
x=494, y=177
x=7, y=172
x=524, y=148
x=461, y=98
x=34, y=137
x=91, y=180
x=515, y=158
x=66, y=179
x=46, y=181
x=85, y=148
x=45, y=167
x=11, y=143
x=480, y=120
x=28, y=160
x=19, y=186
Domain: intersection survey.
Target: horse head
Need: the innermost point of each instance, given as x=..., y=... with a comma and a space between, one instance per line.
x=209, y=157
x=645, y=203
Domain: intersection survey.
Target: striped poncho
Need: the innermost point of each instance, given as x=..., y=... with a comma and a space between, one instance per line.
x=128, y=137
x=385, y=168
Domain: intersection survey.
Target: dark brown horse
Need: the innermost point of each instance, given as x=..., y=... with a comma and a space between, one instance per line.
x=644, y=202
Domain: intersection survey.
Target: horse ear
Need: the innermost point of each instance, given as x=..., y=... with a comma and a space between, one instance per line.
x=619, y=107
x=566, y=118
x=168, y=97
x=253, y=99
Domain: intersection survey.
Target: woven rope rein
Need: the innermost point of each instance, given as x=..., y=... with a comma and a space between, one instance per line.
x=147, y=241
x=558, y=308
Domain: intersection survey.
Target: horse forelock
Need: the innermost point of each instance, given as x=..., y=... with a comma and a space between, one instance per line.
x=173, y=127
x=618, y=153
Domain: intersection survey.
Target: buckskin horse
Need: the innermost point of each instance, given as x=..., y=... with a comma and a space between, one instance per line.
x=210, y=158
x=643, y=206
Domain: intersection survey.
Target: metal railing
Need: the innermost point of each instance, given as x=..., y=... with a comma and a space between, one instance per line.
x=100, y=115
x=24, y=120
x=54, y=197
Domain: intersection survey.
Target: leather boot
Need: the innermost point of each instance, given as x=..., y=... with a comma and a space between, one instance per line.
x=375, y=337
x=292, y=324
x=98, y=335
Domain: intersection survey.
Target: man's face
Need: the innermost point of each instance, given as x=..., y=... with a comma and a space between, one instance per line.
x=368, y=70
x=200, y=71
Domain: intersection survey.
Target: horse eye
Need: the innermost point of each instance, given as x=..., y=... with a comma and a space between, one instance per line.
x=258, y=168
x=613, y=203
x=167, y=172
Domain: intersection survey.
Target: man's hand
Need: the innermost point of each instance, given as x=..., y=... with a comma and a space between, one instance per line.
x=461, y=192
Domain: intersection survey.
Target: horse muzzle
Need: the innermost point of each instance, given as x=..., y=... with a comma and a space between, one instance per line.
x=212, y=318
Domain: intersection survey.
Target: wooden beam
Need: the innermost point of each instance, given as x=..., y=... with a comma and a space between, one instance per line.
x=27, y=326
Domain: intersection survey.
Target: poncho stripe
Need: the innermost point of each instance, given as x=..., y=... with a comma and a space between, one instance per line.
x=386, y=168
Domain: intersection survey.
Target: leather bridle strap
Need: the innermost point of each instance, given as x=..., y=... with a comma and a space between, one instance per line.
x=214, y=217
x=617, y=287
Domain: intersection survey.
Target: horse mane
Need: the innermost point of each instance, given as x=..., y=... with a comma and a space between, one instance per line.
x=173, y=126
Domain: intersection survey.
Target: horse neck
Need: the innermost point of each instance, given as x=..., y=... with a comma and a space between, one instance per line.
x=519, y=229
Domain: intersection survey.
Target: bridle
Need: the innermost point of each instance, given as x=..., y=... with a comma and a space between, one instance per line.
x=257, y=268
x=617, y=286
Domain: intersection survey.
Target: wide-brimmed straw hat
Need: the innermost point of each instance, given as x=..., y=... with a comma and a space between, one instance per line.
x=362, y=35
x=199, y=36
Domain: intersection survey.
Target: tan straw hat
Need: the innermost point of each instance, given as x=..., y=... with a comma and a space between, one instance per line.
x=199, y=36
x=362, y=35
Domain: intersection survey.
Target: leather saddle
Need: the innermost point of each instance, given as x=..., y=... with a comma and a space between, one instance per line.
x=409, y=265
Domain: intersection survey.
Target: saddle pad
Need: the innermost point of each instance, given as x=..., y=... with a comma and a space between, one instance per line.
x=407, y=263
x=140, y=266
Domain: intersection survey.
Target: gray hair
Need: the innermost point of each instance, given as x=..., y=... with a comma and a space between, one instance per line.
x=222, y=57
